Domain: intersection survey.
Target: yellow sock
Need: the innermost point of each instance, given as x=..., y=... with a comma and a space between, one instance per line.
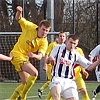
x=45, y=85
x=17, y=92
x=29, y=83
x=49, y=97
x=85, y=97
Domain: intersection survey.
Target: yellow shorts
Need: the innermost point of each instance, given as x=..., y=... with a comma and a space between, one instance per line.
x=80, y=83
x=19, y=60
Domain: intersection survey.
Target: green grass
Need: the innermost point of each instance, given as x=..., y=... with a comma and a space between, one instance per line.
x=6, y=90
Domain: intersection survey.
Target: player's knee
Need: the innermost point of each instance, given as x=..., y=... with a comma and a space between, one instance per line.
x=83, y=91
x=55, y=95
x=35, y=73
x=23, y=82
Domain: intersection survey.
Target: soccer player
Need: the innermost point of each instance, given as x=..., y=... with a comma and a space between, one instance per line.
x=31, y=43
x=93, y=56
x=4, y=57
x=78, y=78
x=48, y=68
x=63, y=58
x=95, y=92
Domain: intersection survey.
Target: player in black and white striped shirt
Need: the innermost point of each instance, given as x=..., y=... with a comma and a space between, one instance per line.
x=93, y=57
x=64, y=58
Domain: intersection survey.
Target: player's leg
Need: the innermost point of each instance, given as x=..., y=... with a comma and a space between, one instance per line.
x=82, y=88
x=24, y=68
x=45, y=85
x=18, y=62
x=96, y=91
x=55, y=92
x=29, y=68
x=55, y=88
x=49, y=97
x=17, y=92
x=84, y=93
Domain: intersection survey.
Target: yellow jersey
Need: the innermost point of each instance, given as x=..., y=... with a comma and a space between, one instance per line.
x=28, y=40
x=78, y=68
x=51, y=47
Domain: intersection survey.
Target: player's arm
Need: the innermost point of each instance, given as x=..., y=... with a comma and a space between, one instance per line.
x=93, y=56
x=18, y=13
x=25, y=24
x=93, y=65
x=41, y=50
x=4, y=57
x=52, y=58
x=85, y=72
x=90, y=58
x=86, y=63
x=36, y=56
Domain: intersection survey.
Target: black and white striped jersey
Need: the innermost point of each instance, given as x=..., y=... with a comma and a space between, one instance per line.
x=65, y=61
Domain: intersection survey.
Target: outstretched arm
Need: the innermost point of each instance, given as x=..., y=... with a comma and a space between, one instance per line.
x=18, y=13
x=4, y=57
x=93, y=65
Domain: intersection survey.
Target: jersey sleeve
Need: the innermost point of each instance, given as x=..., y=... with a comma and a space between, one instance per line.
x=83, y=61
x=95, y=52
x=25, y=24
x=80, y=51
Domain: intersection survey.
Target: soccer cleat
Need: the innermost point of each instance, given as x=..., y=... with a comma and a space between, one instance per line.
x=94, y=94
x=39, y=93
x=19, y=98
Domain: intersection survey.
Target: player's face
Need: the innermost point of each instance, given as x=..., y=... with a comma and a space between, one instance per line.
x=43, y=31
x=71, y=44
x=62, y=38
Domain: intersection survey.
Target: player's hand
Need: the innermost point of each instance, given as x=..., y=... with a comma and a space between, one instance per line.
x=19, y=8
x=86, y=74
x=51, y=60
x=18, y=15
x=31, y=55
x=11, y=57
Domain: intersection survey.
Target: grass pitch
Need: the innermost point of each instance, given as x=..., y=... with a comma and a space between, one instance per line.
x=6, y=89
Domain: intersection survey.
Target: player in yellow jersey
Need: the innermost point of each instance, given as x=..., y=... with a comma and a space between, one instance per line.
x=79, y=80
x=61, y=39
x=31, y=43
